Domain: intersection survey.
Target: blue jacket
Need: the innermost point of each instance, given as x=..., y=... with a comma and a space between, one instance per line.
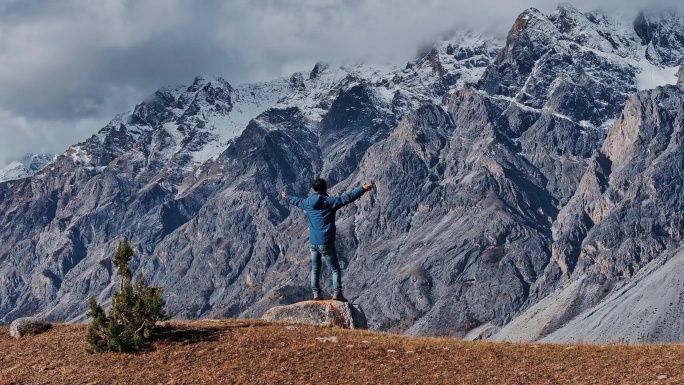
x=320, y=210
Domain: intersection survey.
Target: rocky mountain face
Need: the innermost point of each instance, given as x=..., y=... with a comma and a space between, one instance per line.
x=520, y=183
x=620, y=235
x=663, y=35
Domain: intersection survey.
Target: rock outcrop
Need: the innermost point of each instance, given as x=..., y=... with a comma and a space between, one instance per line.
x=28, y=325
x=335, y=313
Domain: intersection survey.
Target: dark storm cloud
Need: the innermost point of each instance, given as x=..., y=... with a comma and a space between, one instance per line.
x=67, y=67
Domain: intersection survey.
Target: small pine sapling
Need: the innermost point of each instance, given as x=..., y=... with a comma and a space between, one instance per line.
x=122, y=257
x=135, y=310
x=96, y=337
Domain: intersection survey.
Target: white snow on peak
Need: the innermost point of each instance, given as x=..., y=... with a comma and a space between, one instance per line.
x=614, y=37
x=26, y=167
x=206, y=115
x=248, y=102
x=13, y=171
x=457, y=60
x=318, y=89
x=597, y=30
x=449, y=65
x=467, y=55
x=79, y=155
x=203, y=118
x=199, y=121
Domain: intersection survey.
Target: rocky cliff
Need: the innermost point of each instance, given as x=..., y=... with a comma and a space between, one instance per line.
x=507, y=172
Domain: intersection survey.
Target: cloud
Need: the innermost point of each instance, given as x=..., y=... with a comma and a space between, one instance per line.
x=21, y=135
x=68, y=64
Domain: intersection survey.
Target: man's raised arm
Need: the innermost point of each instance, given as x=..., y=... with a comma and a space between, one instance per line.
x=351, y=196
x=295, y=201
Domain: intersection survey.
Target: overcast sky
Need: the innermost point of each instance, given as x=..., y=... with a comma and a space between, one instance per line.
x=68, y=66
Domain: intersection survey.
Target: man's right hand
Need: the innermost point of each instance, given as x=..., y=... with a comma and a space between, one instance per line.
x=368, y=187
x=282, y=194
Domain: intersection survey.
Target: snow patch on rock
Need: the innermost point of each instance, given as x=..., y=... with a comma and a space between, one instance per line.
x=651, y=76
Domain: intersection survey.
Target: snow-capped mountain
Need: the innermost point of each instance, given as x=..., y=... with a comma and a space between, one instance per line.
x=663, y=35
x=26, y=167
x=511, y=174
x=197, y=121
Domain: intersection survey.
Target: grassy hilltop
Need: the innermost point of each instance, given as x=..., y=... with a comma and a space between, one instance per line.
x=256, y=352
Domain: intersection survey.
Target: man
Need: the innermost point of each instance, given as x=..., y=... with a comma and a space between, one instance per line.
x=320, y=210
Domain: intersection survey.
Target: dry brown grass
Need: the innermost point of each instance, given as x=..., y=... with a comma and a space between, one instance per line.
x=256, y=352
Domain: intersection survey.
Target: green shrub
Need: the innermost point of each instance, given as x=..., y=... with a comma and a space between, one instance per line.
x=135, y=310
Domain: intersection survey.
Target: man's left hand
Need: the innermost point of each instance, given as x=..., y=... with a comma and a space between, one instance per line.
x=282, y=194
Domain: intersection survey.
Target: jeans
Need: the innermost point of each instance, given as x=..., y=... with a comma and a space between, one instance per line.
x=328, y=251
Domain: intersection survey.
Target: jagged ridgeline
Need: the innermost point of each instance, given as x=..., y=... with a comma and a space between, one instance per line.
x=524, y=185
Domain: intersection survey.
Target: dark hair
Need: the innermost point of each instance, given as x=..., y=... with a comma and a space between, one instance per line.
x=319, y=185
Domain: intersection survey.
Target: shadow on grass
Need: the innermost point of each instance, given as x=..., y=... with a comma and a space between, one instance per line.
x=187, y=336
x=199, y=333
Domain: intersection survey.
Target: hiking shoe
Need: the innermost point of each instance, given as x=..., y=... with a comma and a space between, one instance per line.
x=318, y=296
x=339, y=297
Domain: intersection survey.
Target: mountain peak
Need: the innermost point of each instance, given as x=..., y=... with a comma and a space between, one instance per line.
x=526, y=17
x=25, y=167
x=202, y=81
x=566, y=7
x=530, y=17
x=318, y=69
x=205, y=79
x=662, y=31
